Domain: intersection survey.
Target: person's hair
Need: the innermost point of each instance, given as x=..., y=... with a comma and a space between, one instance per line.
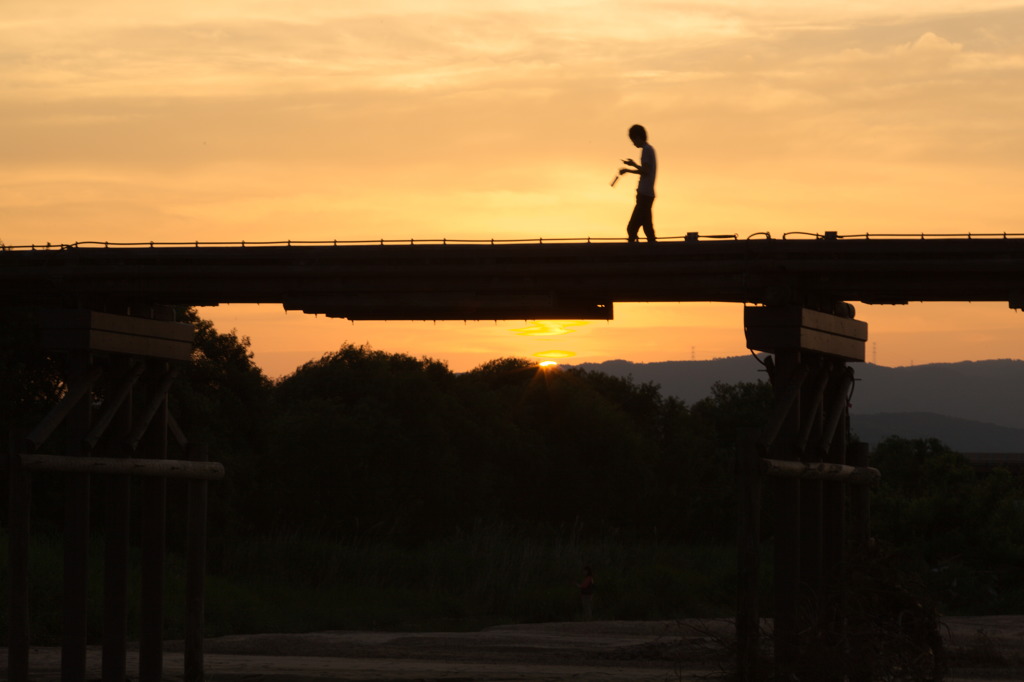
x=637, y=131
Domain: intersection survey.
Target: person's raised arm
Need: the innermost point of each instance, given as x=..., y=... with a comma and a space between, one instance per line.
x=637, y=168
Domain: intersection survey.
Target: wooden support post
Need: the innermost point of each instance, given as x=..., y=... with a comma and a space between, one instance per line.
x=785, y=398
x=860, y=502
x=176, y=432
x=124, y=340
x=834, y=453
x=163, y=468
x=787, y=527
x=195, y=576
x=77, y=389
x=121, y=334
x=834, y=515
x=806, y=434
x=19, y=507
x=811, y=400
x=860, y=539
x=116, y=531
x=748, y=558
x=811, y=528
x=821, y=471
x=153, y=540
x=112, y=403
x=834, y=509
x=837, y=412
x=781, y=328
x=76, y=535
x=156, y=400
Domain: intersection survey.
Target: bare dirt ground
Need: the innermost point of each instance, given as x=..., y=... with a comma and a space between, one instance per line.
x=986, y=648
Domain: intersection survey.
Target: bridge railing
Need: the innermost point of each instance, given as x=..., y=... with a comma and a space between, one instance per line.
x=342, y=242
x=689, y=237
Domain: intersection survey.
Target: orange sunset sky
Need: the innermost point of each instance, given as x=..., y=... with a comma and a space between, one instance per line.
x=320, y=120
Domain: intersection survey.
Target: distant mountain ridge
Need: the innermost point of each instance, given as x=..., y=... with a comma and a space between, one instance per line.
x=963, y=435
x=972, y=406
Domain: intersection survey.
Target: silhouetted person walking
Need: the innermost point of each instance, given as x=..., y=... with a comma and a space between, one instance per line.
x=647, y=169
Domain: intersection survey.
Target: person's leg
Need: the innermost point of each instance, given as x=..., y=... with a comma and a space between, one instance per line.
x=648, y=217
x=633, y=226
x=641, y=213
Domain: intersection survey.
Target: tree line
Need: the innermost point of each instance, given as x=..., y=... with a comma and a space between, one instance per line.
x=371, y=445
x=366, y=446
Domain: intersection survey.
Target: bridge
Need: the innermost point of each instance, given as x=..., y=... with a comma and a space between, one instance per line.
x=543, y=280
x=111, y=299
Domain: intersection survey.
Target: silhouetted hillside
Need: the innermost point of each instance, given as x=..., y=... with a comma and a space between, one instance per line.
x=990, y=391
x=971, y=406
x=687, y=380
x=962, y=435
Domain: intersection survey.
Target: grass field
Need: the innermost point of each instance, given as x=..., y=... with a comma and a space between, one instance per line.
x=483, y=577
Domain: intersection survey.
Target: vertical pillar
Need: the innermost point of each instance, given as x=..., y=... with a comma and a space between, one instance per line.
x=787, y=530
x=833, y=511
x=153, y=505
x=801, y=337
x=860, y=502
x=76, y=533
x=834, y=573
x=748, y=619
x=19, y=514
x=195, y=577
x=115, y=559
x=811, y=498
x=860, y=538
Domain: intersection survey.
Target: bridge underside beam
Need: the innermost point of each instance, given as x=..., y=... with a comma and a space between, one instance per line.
x=450, y=306
x=517, y=281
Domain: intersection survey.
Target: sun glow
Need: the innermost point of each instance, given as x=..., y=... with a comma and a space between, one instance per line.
x=555, y=354
x=550, y=327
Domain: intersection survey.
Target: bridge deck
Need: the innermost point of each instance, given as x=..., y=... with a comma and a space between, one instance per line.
x=518, y=281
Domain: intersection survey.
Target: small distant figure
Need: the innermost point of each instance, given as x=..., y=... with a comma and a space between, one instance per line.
x=587, y=592
x=647, y=169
